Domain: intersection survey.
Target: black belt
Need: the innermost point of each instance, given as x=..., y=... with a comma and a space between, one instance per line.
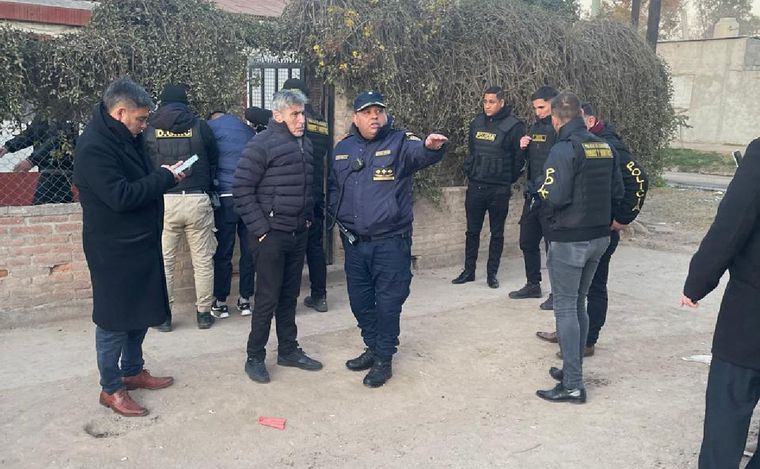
x=366, y=239
x=194, y=191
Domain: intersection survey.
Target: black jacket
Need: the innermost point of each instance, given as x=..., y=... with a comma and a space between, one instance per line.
x=494, y=155
x=174, y=133
x=122, y=218
x=635, y=179
x=581, y=181
x=272, y=185
x=733, y=243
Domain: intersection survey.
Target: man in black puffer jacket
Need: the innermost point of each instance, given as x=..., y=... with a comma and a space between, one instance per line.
x=272, y=191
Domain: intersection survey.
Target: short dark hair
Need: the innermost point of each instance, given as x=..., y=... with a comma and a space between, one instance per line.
x=497, y=90
x=125, y=90
x=587, y=109
x=566, y=106
x=547, y=93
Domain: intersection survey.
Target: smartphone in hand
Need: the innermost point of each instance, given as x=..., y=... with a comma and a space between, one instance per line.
x=187, y=164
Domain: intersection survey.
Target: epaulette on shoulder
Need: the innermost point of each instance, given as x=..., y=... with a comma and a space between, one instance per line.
x=411, y=136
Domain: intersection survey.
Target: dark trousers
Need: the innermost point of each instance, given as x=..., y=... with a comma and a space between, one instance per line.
x=530, y=239
x=53, y=188
x=315, y=256
x=111, y=346
x=732, y=395
x=597, y=292
x=378, y=274
x=279, y=265
x=228, y=225
x=479, y=199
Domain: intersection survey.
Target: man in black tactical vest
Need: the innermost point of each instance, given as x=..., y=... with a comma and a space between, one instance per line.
x=580, y=183
x=537, y=143
x=491, y=166
x=174, y=133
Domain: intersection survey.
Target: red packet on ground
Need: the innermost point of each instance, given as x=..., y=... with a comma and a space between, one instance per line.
x=273, y=422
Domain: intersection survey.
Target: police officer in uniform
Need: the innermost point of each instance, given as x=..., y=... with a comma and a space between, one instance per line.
x=580, y=183
x=370, y=196
x=635, y=184
x=174, y=133
x=537, y=142
x=492, y=165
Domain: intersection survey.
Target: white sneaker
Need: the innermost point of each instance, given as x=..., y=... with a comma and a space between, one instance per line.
x=220, y=311
x=244, y=306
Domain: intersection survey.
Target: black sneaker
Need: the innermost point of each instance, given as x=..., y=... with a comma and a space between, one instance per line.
x=548, y=305
x=362, y=362
x=464, y=277
x=244, y=306
x=492, y=281
x=257, y=370
x=298, y=359
x=561, y=394
x=220, y=311
x=380, y=372
x=530, y=290
x=319, y=304
x=205, y=320
x=165, y=326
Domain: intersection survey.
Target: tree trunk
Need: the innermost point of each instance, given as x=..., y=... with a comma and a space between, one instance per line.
x=653, y=23
x=635, y=13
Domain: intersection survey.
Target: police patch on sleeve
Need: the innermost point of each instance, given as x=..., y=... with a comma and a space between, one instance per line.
x=383, y=174
x=411, y=136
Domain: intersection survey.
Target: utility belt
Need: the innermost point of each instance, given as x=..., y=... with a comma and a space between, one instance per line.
x=353, y=238
x=189, y=192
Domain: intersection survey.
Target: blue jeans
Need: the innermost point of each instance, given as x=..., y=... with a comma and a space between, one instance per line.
x=378, y=275
x=112, y=345
x=571, y=268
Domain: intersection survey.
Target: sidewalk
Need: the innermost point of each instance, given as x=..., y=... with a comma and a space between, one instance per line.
x=708, y=182
x=462, y=394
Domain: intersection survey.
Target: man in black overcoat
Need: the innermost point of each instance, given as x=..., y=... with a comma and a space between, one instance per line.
x=733, y=386
x=122, y=217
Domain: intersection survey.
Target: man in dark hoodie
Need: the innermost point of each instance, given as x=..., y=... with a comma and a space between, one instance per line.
x=174, y=133
x=624, y=211
x=491, y=166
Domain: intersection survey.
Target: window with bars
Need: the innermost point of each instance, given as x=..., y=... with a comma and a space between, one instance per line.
x=266, y=77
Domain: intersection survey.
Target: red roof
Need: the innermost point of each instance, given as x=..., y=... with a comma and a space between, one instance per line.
x=253, y=7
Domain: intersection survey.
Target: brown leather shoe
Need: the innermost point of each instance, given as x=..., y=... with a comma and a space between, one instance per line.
x=121, y=403
x=145, y=381
x=548, y=336
x=587, y=352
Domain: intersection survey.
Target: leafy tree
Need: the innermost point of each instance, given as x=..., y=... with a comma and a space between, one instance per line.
x=670, y=15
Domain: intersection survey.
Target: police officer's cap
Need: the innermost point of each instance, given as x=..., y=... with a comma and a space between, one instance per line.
x=367, y=99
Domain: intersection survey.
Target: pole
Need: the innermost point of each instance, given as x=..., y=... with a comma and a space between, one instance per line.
x=653, y=23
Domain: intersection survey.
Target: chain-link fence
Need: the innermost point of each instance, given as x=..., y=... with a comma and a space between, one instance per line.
x=36, y=161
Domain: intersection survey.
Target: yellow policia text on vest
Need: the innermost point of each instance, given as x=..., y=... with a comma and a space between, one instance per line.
x=485, y=136
x=597, y=150
x=547, y=182
x=640, y=192
x=383, y=174
x=168, y=134
x=538, y=138
x=316, y=126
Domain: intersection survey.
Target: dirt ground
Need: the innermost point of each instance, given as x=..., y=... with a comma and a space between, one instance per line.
x=462, y=394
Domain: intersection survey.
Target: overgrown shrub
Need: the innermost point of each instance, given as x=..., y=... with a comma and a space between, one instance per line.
x=434, y=58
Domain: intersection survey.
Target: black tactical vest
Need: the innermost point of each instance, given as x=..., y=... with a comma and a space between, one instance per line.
x=167, y=147
x=592, y=188
x=542, y=136
x=491, y=164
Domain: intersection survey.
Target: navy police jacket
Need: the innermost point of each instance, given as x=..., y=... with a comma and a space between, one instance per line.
x=376, y=200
